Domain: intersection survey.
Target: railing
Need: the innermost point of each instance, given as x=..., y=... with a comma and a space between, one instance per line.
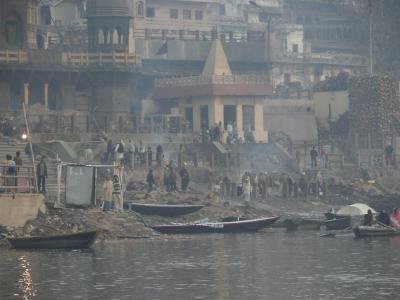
x=335, y=59
x=63, y=58
x=13, y=56
x=100, y=59
x=21, y=180
x=214, y=79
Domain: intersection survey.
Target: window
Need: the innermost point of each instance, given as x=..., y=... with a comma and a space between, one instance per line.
x=222, y=11
x=140, y=9
x=263, y=17
x=150, y=12
x=295, y=48
x=198, y=14
x=13, y=29
x=173, y=13
x=187, y=14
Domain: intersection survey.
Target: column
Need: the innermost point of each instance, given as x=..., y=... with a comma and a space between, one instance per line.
x=239, y=119
x=259, y=132
x=26, y=95
x=46, y=95
x=196, y=118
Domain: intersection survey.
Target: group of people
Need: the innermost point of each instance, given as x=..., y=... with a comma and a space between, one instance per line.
x=131, y=154
x=323, y=157
x=228, y=135
x=169, y=179
x=383, y=218
x=11, y=167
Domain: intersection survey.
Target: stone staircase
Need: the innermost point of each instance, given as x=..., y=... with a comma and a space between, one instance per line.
x=12, y=146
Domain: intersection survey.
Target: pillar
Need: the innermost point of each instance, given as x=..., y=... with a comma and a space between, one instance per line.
x=46, y=94
x=196, y=118
x=239, y=119
x=26, y=95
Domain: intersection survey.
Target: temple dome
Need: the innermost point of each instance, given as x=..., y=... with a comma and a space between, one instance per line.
x=109, y=8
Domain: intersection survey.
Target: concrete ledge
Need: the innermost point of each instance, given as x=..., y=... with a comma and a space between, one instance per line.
x=17, y=209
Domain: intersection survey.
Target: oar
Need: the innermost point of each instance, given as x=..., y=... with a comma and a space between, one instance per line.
x=384, y=225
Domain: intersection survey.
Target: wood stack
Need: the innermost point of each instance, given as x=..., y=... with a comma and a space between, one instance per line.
x=374, y=105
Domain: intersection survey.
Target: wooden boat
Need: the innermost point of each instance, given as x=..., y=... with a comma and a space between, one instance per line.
x=165, y=210
x=303, y=224
x=338, y=224
x=371, y=231
x=217, y=227
x=63, y=241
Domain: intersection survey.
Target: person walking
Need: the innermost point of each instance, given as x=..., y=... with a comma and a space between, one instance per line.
x=150, y=181
x=41, y=171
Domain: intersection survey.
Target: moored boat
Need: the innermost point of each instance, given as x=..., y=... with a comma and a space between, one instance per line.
x=371, y=231
x=217, y=227
x=79, y=240
x=166, y=210
x=303, y=224
x=338, y=224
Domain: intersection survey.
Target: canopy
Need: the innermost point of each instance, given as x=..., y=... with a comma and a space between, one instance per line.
x=355, y=209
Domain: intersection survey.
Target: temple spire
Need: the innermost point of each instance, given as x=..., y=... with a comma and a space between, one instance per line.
x=216, y=63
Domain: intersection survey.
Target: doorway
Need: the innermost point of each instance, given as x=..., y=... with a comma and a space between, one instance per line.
x=204, y=117
x=189, y=117
x=229, y=114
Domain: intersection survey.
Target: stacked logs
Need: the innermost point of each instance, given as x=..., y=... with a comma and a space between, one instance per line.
x=374, y=106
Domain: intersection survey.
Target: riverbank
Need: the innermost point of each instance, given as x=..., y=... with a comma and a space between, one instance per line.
x=130, y=225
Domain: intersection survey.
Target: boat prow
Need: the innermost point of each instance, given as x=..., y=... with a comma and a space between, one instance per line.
x=79, y=240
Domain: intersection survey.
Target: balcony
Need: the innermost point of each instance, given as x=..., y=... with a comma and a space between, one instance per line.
x=52, y=58
x=215, y=85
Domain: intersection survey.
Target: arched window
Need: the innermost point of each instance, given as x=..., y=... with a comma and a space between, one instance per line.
x=106, y=35
x=100, y=36
x=119, y=37
x=140, y=9
x=13, y=29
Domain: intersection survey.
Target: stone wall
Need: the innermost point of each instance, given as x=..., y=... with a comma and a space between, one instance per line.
x=17, y=209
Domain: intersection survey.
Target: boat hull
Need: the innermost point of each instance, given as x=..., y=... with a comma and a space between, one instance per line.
x=303, y=224
x=217, y=227
x=164, y=210
x=338, y=224
x=372, y=231
x=66, y=241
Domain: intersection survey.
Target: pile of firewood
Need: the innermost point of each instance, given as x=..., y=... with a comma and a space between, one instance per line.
x=374, y=104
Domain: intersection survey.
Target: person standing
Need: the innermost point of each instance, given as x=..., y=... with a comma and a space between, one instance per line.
x=159, y=155
x=109, y=150
x=185, y=178
x=247, y=189
x=150, y=181
x=41, y=171
x=119, y=152
x=389, y=150
x=117, y=194
x=149, y=156
x=18, y=164
x=130, y=157
x=313, y=156
x=107, y=193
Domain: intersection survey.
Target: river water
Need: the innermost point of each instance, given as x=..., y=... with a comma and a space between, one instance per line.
x=266, y=265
